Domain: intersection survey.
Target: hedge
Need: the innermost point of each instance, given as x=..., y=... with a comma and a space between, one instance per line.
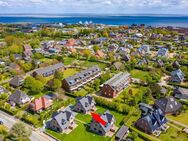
x=177, y=85
x=121, y=108
x=141, y=135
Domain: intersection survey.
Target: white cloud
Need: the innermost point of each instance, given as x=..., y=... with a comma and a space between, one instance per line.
x=4, y=4
x=118, y=6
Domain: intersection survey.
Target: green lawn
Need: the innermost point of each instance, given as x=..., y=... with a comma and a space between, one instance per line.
x=81, y=92
x=143, y=75
x=183, y=117
x=87, y=118
x=137, y=91
x=3, y=131
x=70, y=72
x=45, y=60
x=118, y=116
x=90, y=64
x=68, y=60
x=173, y=134
x=81, y=133
x=84, y=117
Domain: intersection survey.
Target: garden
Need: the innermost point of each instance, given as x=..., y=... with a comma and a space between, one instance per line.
x=82, y=131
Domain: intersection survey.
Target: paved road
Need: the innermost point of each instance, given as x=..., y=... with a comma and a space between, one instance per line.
x=36, y=135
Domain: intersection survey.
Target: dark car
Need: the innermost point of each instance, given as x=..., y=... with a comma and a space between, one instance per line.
x=1, y=122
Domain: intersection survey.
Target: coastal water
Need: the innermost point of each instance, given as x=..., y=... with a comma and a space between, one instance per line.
x=177, y=21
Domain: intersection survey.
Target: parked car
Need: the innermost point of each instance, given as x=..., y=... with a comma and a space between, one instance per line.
x=1, y=122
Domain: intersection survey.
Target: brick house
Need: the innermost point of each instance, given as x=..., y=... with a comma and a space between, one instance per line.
x=40, y=104
x=116, y=84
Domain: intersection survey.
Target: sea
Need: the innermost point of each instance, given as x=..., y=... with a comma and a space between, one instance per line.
x=151, y=20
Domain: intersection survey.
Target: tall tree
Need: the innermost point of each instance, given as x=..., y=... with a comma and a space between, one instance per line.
x=19, y=132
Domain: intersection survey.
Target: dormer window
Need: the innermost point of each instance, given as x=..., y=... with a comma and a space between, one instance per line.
x=171, y=106
x=63, y=122
x=86, y=104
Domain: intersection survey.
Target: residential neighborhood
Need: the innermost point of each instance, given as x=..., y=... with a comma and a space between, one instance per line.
x=88, y=81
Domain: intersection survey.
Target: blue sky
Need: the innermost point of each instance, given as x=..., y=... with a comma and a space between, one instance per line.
x=95, y=6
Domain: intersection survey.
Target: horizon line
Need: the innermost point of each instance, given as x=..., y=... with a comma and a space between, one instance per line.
x=89, y=14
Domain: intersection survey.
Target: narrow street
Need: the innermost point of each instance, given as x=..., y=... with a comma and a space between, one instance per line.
x=9, y=121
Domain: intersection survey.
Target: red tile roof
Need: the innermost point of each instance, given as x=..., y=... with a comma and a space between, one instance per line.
x=99, y=54
x=40, y=103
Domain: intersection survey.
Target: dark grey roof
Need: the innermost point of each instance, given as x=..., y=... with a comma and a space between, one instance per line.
x=178, y=73
x=176, y=63
x=18, y=96
x=162, y=51
x=168, y=104
x=183, y=90
x=72, y=80
x=115, y=80
x=122, y=131
x=86, y=102
x=18, y=56
x=49, y=68
x=63, y=119
x=16, y=81
x=145, y=48
x=152, y=121
x=107, y=117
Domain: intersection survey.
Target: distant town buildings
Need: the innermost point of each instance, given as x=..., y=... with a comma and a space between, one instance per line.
x=177, y=76
x=181, y=93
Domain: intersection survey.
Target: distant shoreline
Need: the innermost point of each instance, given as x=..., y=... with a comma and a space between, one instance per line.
x=155, y=20
x=91, y=15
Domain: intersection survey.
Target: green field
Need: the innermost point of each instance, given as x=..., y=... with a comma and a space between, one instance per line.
x=84, y=117
x=137, y=91
x=173, y=134
x=182, y=118
x=90, y=64
x=81, y=133
x=81, y=92
x=68, y=60
x=70, y=72
x=143, y=75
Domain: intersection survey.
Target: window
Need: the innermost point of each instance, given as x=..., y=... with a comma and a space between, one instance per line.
x=171, y=106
